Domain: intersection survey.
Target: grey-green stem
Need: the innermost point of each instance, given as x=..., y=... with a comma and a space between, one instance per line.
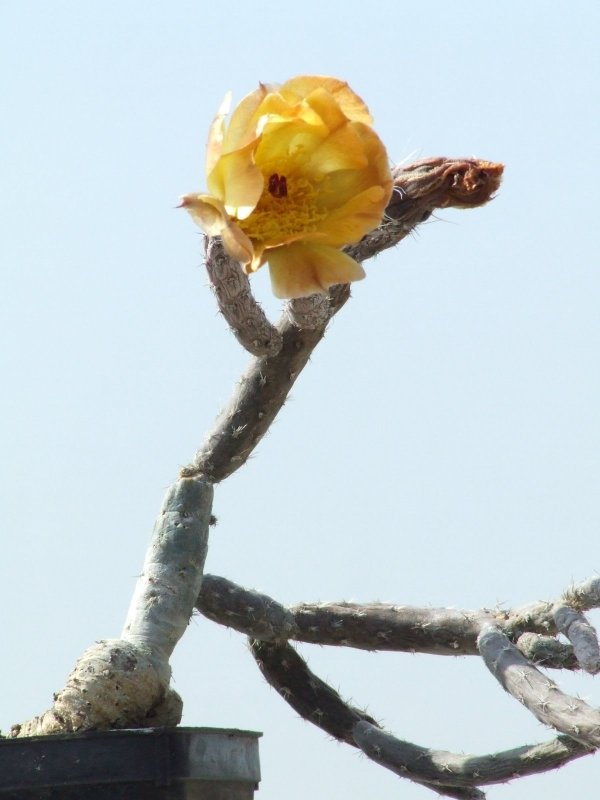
x=125, y=682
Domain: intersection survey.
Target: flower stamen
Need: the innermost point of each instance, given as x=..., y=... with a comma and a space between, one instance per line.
x=278, y=185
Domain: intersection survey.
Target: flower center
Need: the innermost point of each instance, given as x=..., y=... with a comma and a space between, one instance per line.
x=287, y=207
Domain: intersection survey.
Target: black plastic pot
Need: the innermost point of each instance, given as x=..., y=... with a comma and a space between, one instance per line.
x=146, y=764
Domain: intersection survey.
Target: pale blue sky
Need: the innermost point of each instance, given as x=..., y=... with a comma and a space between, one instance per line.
x=442, y=448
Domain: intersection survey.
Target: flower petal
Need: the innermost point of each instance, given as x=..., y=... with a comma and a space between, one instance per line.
x=276, y=108
x=237, y=244
x=286, y=146
x=328, y=109
x=341, y=150
x=305, y=144
x=209, y=213
x=299, y=269
x=350, y=103
x=206, y=211
x=216, y=133
x=338, y=187
x=355, y=218
x=242, y=125
x=237, y=182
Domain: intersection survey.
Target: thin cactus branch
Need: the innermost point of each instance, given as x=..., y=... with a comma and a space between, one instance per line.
x=287, y=672
x=244, y=315
x=268, y=379
x=582, y=636
x=459, y=769
x=308, y=312
x=448, y=774
x=257, y=398
x=439, y=631
x=253, y=613
x=536, y=691
x=379, y=626
x=424, y=186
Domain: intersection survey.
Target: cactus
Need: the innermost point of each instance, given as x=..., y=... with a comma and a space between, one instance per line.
x=125, y=682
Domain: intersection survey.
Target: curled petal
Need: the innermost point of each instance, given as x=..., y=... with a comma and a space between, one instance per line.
x=209, y=213
x=276, y=108
x=206, y=211
x=237, y=244
x=243, y=123
x=350, y=103
x=328, y=109
x=237, y=182
x=301, y=269
x=216, y=134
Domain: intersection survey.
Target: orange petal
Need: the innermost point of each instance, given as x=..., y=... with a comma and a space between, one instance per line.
x=299, y=269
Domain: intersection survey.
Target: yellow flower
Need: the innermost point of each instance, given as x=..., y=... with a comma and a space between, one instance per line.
x=297, y=174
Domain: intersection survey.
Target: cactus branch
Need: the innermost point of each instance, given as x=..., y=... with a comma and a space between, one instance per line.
x=448, y=774
x=381, y=626
x=378, y=626
x=536, y=692
x=582, y=636
x=424, y=765
x=236, y=302
x=268, y=379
